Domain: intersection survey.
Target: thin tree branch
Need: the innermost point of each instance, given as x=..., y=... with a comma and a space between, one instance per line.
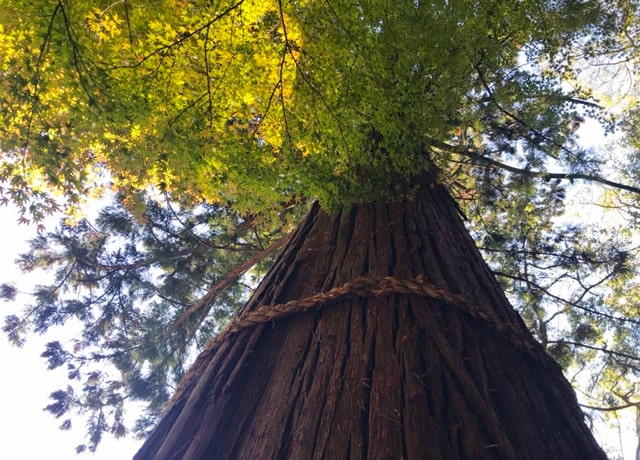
x=78, y=61
x=184, y=37
x=36, y=79
x=126, y=17
x=600, y=349
x=205, y=301
x=611, y=409
x=567, y=302
x=208, y=76
x=303, y=75
x=482, y=159
x=149, y=262
x=549, y=175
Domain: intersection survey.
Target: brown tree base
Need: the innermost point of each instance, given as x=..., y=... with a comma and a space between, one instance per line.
x=378, y=374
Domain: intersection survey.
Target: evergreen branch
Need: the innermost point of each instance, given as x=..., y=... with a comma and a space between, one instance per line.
x=205, y=301
x=567, y=302
x=241, y=227
x=516, y=118
x=482, y=159
x=571, y=258
x=157, y=291
x=549, y=175
x=154, y=260
x=600, y=349
x=135, y=265
x=612, y=408
x=565, y=98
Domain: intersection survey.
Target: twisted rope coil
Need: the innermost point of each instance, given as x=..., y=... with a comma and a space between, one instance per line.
x=369, y=287
x=378, y=287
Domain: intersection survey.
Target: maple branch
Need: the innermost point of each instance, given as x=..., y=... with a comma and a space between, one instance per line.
x=306, y=78
x=126, y=17
x=79, y=63
x=208, y=75
x=36, y=77
x=183, y=37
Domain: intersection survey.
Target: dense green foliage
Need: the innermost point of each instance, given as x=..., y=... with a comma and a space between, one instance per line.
x=255, y=107
x=253, y=102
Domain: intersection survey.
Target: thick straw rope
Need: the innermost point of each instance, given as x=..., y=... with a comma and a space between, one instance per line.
x=377, y=287
x=368, y=287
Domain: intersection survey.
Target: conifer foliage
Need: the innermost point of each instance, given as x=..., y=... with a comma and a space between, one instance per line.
x=126, y=284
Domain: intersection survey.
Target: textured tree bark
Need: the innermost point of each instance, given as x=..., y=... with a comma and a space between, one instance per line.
x=380, y=376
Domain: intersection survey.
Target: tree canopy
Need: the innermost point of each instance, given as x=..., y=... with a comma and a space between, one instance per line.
x=256, y=102
x=240, y=112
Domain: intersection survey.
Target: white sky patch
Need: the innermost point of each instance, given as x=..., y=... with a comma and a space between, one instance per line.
x=584, y=203
x=26, y=430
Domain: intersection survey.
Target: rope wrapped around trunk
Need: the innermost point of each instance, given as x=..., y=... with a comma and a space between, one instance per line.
x=378, y=287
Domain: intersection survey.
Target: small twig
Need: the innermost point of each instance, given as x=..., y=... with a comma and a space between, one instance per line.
x=208, y=76
x=126, y=18
x=36, y=79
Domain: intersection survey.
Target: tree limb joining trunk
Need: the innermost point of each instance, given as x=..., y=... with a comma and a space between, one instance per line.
x=482, y=160
x=394, y=375
x=204, y=304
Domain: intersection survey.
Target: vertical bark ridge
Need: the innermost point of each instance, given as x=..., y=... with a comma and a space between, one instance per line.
x=386, y=377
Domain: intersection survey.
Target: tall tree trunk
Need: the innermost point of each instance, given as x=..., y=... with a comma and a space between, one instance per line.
x=384, y=367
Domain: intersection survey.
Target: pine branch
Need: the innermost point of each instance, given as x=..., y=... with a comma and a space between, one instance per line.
x=481, y=159
x=569, y=303
x=205, y=301
x=600, y=349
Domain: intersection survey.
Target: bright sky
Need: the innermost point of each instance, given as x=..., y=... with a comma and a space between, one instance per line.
x=26, y=431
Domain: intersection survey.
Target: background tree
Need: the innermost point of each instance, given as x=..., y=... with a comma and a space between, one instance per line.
x=146, y=293
x=254, y=104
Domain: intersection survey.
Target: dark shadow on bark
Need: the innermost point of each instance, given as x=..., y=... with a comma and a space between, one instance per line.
x=394, y=376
